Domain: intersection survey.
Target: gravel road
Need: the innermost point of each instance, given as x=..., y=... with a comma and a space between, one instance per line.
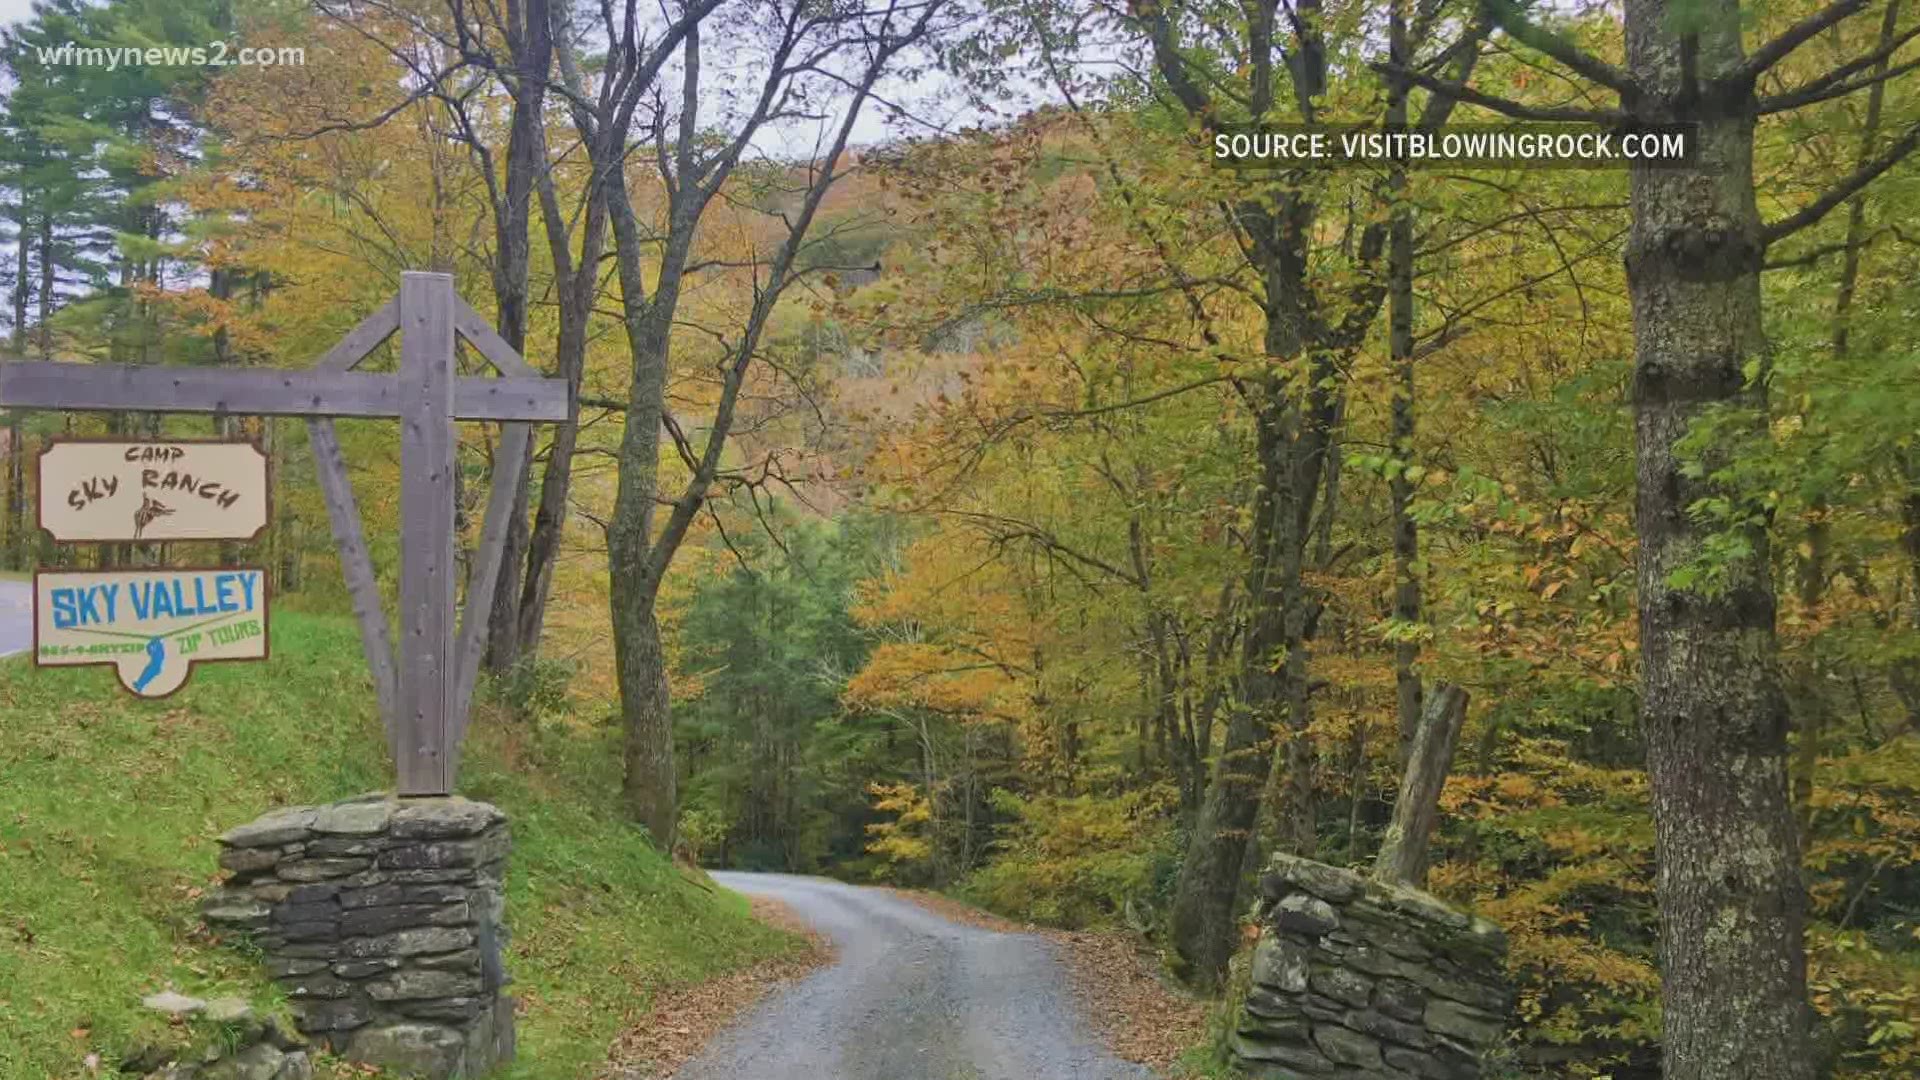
x=16, y=617
x=912, y=996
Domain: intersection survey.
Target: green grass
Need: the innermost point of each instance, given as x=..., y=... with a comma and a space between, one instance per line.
x=109, y=807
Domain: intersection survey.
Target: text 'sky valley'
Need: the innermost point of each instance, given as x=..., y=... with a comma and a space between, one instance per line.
x=151, y=625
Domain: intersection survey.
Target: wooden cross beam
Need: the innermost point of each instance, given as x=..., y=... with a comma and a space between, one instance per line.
x=425, y=699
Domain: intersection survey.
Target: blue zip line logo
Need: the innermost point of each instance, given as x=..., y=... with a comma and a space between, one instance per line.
x=156, y=659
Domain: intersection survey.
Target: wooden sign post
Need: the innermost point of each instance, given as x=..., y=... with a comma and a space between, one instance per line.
x=424, y=700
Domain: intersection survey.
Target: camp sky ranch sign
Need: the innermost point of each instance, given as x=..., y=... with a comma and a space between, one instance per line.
x=425, y=696
x=182, y=489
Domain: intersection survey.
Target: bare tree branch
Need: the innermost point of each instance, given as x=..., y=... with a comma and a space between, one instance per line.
x=1845, y=189
x=1771, y=53
x=1817, y=88
x=1829, y=90
x=1504, y=106
x=1507, y=15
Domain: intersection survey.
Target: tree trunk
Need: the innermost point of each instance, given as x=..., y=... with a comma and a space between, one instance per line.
x=641, y=666
x=530, y=39
x=549, y=526
x=1733, y=957
x=1404, y=850
x=634, y=566
x=504, y=641
x=1406, y=536
x=505, y=645
x=287, y=548
x=1905, y=675
x=1301, y=831
x=46, y=288
x=556, y=479
x=1206, y=897
x=19, y=542
x=1356, y=785
x=576, y=285
x=1197, y=746
x=22, y=249
x=1273, y=661
x=220, y=288
x=637, y=558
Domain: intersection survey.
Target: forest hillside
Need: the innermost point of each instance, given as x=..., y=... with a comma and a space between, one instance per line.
x=968, y=484
x=111, y=808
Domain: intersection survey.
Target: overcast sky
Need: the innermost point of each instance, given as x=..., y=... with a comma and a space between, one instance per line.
x=793, y=140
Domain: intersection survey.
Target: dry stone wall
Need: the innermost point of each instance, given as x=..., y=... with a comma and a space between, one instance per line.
x=383, y=920
x=234, y=1043
x=1357, y=980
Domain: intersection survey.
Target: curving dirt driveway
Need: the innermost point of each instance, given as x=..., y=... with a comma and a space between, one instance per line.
x=911, y=996
x=16, y=616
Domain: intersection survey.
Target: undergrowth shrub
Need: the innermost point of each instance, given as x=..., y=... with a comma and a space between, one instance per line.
x=1079, y=861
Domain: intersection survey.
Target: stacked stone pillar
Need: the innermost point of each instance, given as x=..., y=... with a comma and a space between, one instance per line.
x=1359, y=980
x=383, y=920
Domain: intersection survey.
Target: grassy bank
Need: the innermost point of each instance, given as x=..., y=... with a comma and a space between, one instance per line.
x=109, y=807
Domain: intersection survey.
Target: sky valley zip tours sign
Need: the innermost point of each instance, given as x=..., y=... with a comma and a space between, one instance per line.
x=151, y=625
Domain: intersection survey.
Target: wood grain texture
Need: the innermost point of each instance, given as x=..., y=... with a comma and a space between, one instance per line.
x=264, y=392
x=362, y=339
x=501, y=506
x=425, y=730
x=511, y=397
x=356, y=564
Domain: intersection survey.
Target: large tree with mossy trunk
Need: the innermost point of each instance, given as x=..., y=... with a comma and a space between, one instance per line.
x=1732, y=904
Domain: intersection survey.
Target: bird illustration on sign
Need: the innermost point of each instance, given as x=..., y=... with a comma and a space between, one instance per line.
x=150, y=508
x=152, y=490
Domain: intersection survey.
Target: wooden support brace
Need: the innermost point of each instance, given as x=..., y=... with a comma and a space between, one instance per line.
x=343, y=514
x=362, y=339
x=356, y=564
x=1403, y=852
x=501, y=506
x=489, y=344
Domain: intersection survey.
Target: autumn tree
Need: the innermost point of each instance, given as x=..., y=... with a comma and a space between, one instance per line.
x=776, y=772
x=1313, y=322
x=483, y=51
x=511, y=46
x=804, y=57
x=1733, y=959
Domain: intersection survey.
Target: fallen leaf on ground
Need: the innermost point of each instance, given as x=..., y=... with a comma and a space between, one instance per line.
x=684, y=1018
